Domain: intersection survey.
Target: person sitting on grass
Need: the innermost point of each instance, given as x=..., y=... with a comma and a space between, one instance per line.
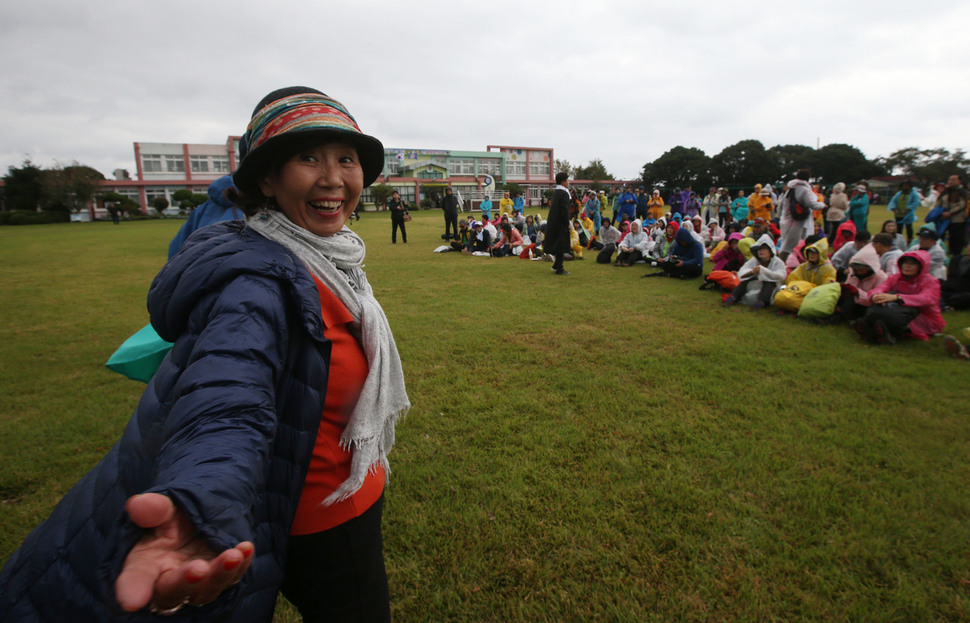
x=906, y=304
x=481, y=240
x=816, y=268
x=843, y=235
x=765, y=269
x=633, y=246
x=730, y=256
x=863, y=276
x=955, y=291
x=928, y=240
x=713, y=234
x=888, y=253
x=608, y=237
x=759, y=227
x=842, y=257
x=890, y=227
x=686, y=258
x=662, y=237
x=575, y=244
x=464, y=240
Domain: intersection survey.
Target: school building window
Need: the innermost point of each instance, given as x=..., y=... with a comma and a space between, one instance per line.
x=199, y=164
x=538, y=169
x=151, y=163
x=515, y=169
x=220, y=164
x=174, y=164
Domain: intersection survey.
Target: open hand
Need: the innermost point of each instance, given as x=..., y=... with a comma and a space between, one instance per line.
x=170, y=566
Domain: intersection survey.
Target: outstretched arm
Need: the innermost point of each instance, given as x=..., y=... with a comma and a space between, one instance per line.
x=170, y=566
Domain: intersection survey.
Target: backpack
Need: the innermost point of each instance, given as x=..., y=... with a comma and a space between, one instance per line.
x=797, y=210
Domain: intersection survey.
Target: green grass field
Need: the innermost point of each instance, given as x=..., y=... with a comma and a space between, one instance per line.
x=597, y=447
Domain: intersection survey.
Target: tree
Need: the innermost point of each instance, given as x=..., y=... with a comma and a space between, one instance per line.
x=160, y=204
x=839, y=162
x=926, y=165
x=595, y=171
x=380, y=193
x=70, y=187
x=563, y=166
x=23, y=187
x=788, y=159
x=745, y=163
x=681, y=166
x=121, y=203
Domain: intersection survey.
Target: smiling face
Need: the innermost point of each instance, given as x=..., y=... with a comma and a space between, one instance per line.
x=318, y=188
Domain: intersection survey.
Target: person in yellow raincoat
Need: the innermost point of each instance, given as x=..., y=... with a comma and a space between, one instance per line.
x=816, y=269
x=760, y=204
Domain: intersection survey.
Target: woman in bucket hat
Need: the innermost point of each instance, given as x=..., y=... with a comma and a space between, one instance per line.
x=257, y=456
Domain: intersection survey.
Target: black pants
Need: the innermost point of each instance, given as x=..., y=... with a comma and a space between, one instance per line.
x=451, y=224
x=958, y=238
x=893, y=316
x=339, y=574
x=557, y=263
x=682, y=272
x=605, y=256
x=404, y=232
x=629, y=257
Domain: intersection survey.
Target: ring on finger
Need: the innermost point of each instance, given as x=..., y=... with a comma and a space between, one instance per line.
x=168, y=611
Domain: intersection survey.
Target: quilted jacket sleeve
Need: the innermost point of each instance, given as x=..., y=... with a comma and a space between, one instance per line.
x=214, y=443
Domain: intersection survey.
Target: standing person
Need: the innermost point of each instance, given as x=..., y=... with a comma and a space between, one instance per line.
x=642, y=204
x=903, y=205
x=739, y=209
x=556, y=241
x=723, y=207
x=953, y=198
x=486, y=207
x=627, y=202
x=256, y=458
x=518, y=204
x=505, y=204
x=838, y=209
x=795, y=226
x=859, y=207
x=655, y=206
x=398, y=208
x=709, y=205
x=450, y=207
x=593, y=210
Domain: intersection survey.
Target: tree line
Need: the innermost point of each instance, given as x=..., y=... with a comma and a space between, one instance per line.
x=748, y=162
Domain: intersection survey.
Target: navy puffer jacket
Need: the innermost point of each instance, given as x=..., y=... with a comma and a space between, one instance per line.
x=225, y=427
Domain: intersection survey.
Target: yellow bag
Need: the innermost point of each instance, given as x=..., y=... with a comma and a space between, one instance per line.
x=790, y=297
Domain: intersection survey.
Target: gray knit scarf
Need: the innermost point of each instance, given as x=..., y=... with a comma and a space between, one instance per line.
x=336, y=261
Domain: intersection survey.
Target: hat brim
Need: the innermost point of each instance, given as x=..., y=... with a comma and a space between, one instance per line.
x=258, y=162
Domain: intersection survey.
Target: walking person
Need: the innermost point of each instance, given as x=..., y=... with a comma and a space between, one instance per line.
x=556, y=242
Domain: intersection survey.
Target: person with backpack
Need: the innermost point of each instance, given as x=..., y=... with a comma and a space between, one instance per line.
x=796, y=213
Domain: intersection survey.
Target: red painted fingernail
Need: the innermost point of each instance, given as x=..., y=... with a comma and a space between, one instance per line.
x=230, y=564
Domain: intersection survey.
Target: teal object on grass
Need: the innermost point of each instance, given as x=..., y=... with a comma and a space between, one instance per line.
x=140, y=355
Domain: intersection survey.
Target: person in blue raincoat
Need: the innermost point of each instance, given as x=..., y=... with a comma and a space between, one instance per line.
x=903, y=205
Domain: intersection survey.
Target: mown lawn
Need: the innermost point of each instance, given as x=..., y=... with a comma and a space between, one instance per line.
x=597, y=447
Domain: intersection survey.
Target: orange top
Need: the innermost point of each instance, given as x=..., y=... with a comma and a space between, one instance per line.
x=330, y=464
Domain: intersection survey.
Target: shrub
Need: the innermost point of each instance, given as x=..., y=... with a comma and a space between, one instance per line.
x=29, y=217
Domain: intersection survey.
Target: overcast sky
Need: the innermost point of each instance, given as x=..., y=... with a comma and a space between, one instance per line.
x=619, y=80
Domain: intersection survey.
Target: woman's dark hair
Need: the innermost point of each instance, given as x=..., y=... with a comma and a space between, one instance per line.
x=887, y=223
